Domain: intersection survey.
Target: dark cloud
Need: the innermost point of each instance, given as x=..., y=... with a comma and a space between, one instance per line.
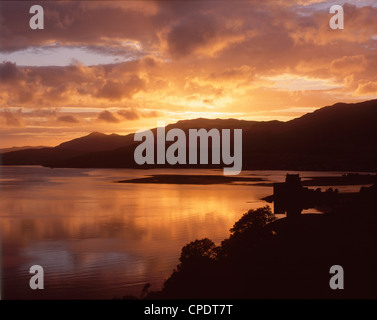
x=130, y=114
x=8, y=72
x=115, y=90
x=107, y=116
x=224, y=56
x=57, y=93
x=133, y=114
x=191, y=34
x=112, y=90
x=68, y=119
x=54, y=76
x=77, y=22
x=25, y=96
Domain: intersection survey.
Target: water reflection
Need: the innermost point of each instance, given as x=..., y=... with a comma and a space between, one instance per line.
x=100, y=239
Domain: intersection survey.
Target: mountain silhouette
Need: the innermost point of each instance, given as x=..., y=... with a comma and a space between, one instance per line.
x=4, y=150
x=97, y=141
x=337, y=137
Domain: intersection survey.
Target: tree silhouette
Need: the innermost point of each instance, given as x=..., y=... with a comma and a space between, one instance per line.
x=249, y=231
x=198, y=252
x=253, y=220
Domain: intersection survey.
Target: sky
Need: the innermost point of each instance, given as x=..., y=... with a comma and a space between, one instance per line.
x=120, y=66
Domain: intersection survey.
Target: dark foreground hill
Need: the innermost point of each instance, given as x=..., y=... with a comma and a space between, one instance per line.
x=339, y=137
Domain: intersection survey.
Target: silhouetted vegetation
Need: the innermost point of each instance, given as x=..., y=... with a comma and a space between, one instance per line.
x=286, y=258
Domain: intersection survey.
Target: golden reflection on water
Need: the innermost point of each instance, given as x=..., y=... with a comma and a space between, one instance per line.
x=100, y=239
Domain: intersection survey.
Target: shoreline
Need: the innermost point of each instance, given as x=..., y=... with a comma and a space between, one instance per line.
x=190, y=179
x=343, y=180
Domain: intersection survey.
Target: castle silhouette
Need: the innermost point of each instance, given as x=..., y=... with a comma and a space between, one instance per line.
x=290, y=197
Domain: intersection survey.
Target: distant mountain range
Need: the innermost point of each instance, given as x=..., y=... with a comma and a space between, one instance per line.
x=4, y=150
x=341, y=137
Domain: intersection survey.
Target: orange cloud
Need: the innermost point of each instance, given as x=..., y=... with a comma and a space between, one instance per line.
x=67, y=119
x=107, y=116
x=114, y=90
x=131, y=114
x=368, y=88
x=349, y=64
x=12, y=119
x=180, y=60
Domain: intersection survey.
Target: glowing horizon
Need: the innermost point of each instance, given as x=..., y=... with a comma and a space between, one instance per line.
x=116, y=67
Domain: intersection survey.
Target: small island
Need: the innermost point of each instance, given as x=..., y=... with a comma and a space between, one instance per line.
x=192, y=179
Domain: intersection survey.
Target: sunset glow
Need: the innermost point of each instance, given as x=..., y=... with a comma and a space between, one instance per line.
x=118, y=66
